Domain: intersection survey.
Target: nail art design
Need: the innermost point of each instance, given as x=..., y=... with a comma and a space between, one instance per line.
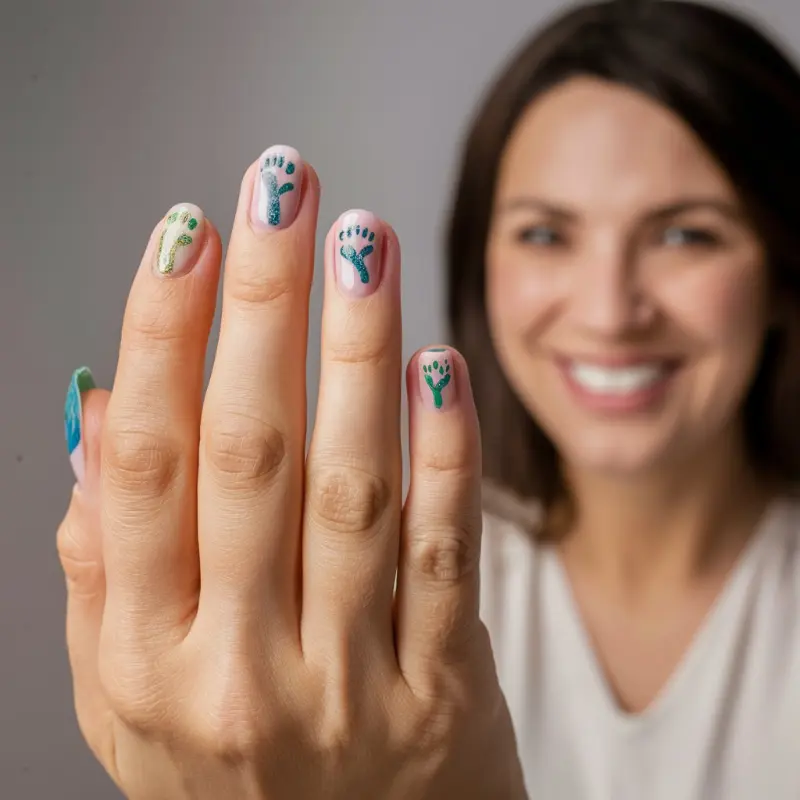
x=182, y=228
x=277, y=196
x=81, y=381
x=436, y=376
x=358, y=244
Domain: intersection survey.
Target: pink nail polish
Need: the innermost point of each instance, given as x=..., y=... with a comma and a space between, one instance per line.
x=437, y=380
x=358, y=241
x=276, y=194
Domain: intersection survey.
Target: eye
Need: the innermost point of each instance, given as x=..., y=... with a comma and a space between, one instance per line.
x=678, y=236
x=539, y=235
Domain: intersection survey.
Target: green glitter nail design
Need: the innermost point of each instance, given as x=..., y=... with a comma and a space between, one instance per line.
x=356, y=257
x=275, y=192
x=438, y=371
x=166, y=260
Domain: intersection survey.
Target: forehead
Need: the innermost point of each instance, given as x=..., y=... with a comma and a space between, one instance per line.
x=590, y=142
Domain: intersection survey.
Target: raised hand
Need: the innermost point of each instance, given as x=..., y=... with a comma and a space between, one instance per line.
x=242, y=636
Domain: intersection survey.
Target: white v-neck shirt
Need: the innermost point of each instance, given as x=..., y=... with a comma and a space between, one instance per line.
x=725, y=727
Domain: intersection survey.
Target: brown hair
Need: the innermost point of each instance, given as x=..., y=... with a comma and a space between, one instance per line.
x=741, y=96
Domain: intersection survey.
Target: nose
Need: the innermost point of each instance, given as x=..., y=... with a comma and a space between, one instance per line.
x=608, y=298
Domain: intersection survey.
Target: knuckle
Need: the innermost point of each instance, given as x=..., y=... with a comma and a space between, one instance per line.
x=450, y=462
x=337, y=725
x=443, y=557
x=433, y=727
x=135, y=693
x=363, y=341
x=231, y=737
x=155, y=323
x=250, y=284
x=346, y=499
x=335, y=742
x=231, y=724
x=85, y=575
x=140, y=461
x=244, y=452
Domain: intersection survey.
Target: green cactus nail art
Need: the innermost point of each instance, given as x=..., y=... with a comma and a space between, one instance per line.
x=166, y=260
x=437, y=376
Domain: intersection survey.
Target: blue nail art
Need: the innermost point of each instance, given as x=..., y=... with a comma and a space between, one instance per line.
x=81, y=381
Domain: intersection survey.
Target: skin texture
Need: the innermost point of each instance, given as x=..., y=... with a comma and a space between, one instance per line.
x=232, y=624
x=586, y=261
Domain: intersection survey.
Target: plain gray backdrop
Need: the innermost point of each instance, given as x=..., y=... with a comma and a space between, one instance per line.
x=113, y=111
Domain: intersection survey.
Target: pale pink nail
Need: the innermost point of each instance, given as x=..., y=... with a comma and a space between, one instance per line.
x=277, y=191
x=358, y=241
x=437, y=380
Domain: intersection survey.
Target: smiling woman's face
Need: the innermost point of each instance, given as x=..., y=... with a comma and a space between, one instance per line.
x=626, y=292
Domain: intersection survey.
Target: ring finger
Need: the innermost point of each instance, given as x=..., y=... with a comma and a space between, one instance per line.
x=353, y=471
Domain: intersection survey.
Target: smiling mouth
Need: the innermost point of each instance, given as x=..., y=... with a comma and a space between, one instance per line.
x=629, y=384
x=618, y=380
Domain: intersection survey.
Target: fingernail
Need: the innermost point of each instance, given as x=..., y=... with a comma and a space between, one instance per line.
x=358, y=253
x=81, y=381
x=181, y=239
x=437, y=382
x=276, y=195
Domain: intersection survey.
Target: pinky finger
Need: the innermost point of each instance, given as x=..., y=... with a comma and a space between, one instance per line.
x=438, y=585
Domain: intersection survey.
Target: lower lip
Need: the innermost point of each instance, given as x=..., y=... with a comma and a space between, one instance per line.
x=644, y=399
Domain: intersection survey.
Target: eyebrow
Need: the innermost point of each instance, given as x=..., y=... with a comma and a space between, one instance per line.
x=723, y=207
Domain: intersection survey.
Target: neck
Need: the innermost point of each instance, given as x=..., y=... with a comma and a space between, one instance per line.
x=667, y=525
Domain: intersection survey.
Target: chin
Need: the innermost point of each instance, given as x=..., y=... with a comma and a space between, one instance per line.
x=616, y=453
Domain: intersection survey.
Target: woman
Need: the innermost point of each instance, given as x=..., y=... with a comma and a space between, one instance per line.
x=625, y=285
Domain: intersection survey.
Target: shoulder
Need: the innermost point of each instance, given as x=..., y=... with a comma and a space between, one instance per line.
x=781, y=528
x=783, y=535
x=509, y=522
x=509, y=550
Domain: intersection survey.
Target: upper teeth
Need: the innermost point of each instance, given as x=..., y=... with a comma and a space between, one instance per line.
x=616, y=380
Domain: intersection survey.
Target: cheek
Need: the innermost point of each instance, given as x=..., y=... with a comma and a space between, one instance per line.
x=519, y=298
x=720, y=306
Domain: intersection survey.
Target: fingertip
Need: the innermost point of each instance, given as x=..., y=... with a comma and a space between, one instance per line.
x=95, y=403
x=277, y=200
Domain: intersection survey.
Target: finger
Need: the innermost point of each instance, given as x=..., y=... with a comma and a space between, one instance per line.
x=438, y=582
x=254, y=416
x=80, y=549
x=149, y=449
x=80, y=386
x=353, y=472
x=79, y=539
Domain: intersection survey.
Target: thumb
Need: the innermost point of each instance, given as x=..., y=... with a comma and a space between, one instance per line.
x=79, y=536
x=84, y=412
x=80, y=551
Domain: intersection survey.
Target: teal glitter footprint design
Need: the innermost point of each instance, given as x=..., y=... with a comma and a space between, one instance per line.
x=275, y=192
x=356, y=257
x=439, y=371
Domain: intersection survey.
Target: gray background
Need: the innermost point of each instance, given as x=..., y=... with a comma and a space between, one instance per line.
x=112, y=112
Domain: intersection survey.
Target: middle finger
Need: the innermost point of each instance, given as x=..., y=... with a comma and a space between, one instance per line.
x=253, y=427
